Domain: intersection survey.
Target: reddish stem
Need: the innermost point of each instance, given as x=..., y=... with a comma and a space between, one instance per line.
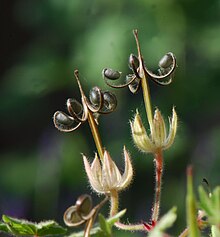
x=158, y=173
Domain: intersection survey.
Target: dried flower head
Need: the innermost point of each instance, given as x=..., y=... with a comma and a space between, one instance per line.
x=99, y=102
x=106, y=177
x=158, y=138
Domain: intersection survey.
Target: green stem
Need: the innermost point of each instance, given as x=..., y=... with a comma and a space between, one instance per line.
x=114, y=210
x=95, y=134
x=147, y=101
x=191, y=210
x=114, y=202
x=158, y=175
x=144, y=83
x=91, y=120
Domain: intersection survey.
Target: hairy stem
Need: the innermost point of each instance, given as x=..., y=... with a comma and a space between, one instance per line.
x=158, y=176
x=114, y=210
x=114, y=202
x=95, y=134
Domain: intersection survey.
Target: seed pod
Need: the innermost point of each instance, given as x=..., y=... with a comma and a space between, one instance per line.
x=129, y=78
x=74, y=105
x=72, y=218
x=84, y=206
x=110, y=101
x=95, y=96
x=80, y=212
x=63, y=122
x=111, y=74
x=134, y=85
x=133, y=62
x=166, y=61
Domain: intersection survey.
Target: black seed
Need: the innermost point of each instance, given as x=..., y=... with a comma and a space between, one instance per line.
x=63, y=119
x=110, y=101
x=111, y=74
x=166, y=61
x=133, y=62
x=94, y=95
x=75, y=106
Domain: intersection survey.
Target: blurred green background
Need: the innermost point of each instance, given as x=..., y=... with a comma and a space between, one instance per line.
x=42, y=42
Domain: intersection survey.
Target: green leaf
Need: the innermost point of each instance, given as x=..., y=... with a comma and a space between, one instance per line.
x=210, y=204
x=205, y=202
x=97, y=231
x=49, y=228
x=165, y=222
x=25, y=228
x=19, y=226
x=191, y=210
x=216, y=204
x=215, y=231
x=104, y=225
x=116, y=217
x=4, y=228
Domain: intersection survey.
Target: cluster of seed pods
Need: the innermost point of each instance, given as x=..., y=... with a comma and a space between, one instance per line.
x=167, y=65
x=99, y=102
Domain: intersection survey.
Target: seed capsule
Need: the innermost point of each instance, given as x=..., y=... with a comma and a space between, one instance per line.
x=166, y=61
x=111, y=74
x=84, y=205
x=72, y=218
x=110, y=101
x=63, y=122
x=133, y=62
x=63, y=118
x=80, y=212
x=95, y=95
x=133, y=86
x=74, y=105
